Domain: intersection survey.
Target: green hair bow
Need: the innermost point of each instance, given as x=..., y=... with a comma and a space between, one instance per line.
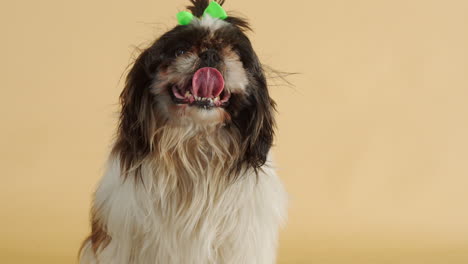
x=214, y=9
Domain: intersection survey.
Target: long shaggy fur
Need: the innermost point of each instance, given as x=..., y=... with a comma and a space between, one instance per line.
x=188, y=185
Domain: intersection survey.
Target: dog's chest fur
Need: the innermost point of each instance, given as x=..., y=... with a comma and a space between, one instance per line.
x=184, y=209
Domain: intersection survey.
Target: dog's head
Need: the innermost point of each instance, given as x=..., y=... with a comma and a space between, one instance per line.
x=201, y=74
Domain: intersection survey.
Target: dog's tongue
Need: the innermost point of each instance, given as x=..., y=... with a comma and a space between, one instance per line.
x=207, y=82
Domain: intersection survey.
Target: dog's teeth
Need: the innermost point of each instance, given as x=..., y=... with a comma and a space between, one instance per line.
x=187, y=94
x=216, y=99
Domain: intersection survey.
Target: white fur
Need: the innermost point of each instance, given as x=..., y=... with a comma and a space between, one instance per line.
x=235, y=77
x=236, y=226
x=209, y=22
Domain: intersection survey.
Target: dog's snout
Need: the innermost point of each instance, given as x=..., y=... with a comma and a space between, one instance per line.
x=210, y=58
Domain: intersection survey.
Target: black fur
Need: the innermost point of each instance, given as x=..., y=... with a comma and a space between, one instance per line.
x=251, y=116
x=198, y=6
x=133, y=139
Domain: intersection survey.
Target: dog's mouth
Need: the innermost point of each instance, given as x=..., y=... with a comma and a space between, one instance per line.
x=205, y=90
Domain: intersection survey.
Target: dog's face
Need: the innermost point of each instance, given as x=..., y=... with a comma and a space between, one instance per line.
x=200, y=67
x=202, y=74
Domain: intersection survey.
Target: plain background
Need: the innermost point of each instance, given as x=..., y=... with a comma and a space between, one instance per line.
x=372, y=142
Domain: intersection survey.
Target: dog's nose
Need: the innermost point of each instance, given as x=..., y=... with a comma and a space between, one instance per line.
x=209, y=58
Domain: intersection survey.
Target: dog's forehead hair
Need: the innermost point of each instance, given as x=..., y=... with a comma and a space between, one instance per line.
x=200, y=35
x=210, y=23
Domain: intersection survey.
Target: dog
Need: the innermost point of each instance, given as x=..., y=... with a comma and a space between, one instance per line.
x=189, y=179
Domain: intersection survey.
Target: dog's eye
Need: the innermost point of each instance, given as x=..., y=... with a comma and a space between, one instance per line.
x=179, y=52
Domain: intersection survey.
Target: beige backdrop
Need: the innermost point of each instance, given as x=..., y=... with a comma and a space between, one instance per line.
x=372, y=142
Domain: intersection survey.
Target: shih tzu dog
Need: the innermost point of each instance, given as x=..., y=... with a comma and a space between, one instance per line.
x=189, y=179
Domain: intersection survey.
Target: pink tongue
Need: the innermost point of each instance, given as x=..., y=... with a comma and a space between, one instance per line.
x=207, y=82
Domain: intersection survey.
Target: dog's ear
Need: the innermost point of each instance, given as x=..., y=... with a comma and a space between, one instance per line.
x=255, y=122
x=137, y=115
x=260, y=127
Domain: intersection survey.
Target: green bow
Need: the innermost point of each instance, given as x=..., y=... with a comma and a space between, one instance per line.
x=214, y=9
